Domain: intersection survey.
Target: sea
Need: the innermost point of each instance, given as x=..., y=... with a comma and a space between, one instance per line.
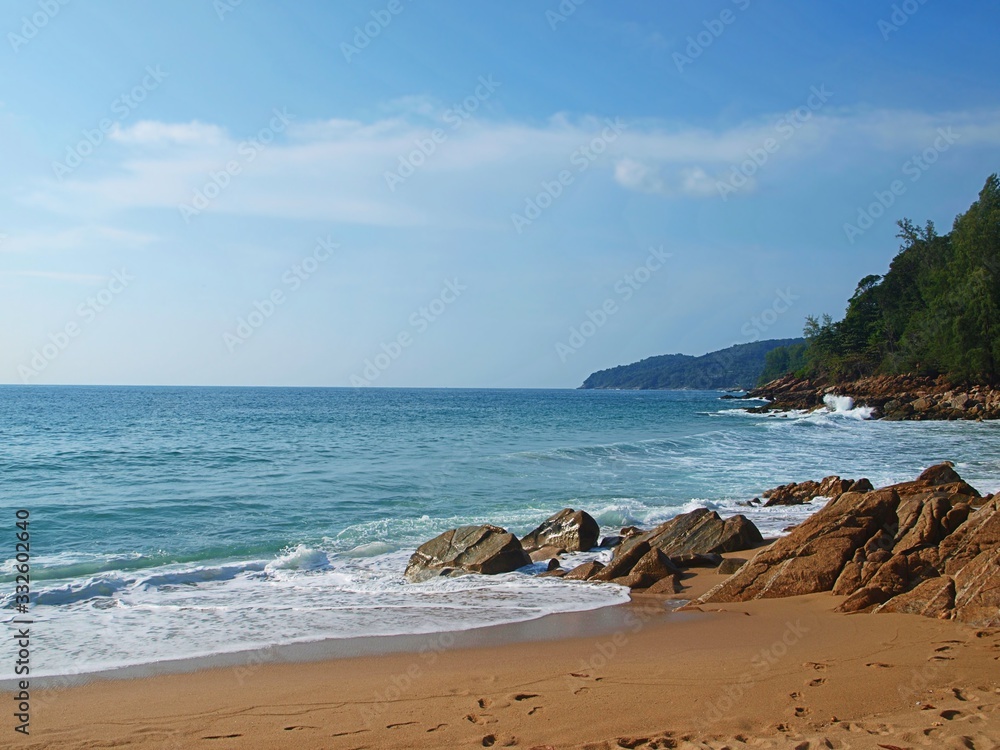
x=168, y=523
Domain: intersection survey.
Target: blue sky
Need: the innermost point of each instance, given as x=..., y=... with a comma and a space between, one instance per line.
x=421, y=193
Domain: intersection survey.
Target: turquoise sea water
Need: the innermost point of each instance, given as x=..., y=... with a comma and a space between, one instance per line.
x=173, y=522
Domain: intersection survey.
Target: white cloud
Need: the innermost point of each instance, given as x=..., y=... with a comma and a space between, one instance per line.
x=151, y=133
x=336, y=169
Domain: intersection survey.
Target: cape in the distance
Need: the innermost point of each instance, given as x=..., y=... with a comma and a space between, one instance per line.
x=737, y=367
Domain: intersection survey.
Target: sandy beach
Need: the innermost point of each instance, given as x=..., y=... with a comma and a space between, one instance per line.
x=787, y=673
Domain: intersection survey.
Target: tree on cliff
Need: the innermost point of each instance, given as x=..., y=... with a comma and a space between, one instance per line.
x=935, y=312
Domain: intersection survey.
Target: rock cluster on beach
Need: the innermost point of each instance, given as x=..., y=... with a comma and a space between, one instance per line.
x=797, y=493
x=893, y=397
x=651, y=559
x=930, y=547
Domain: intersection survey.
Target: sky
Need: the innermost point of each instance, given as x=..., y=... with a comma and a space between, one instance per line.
x=419, y=193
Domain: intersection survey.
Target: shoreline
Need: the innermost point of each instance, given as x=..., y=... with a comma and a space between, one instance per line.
x=770, y=673
x=554, y=626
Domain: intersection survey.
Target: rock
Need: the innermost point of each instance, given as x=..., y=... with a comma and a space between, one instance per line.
x=667, y=585
x=636, y=580
x=697, y=560
x=935, y=597
x=611, y=541
x=655, y=563
x=961, y=401
x=573, y=530
x=797, y=493
x=558, y=573
x=922, y=404
x=700, y=531
x=863, y=600
x=553, y=564
x=921, y=523
x=731, y=565
x=813, y=555
x=546, y=553
x=862, y=485
x=584, y=572
x=942, y=473
x=468, y=549
x=621, y=565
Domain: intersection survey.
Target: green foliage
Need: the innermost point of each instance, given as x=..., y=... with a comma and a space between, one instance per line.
x=738, y=367
x=935, y=312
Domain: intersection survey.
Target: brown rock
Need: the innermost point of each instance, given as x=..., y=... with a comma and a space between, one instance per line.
x=814, y=554
x=553, y=564
x=700, y=531
x=935, y=597
x=573, y=530
x=731, y=565
x=584, y=572
x=468, y=549
x=862, y=485
x=863, y=600
x=655, y=563
x=621, y=565
x=545, y=553
x=636, y=580
x=697, y=560
x=942, y=473
x=668, y=585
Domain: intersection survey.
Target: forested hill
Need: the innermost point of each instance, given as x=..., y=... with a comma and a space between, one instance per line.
x=936, y=312
x=738, y=367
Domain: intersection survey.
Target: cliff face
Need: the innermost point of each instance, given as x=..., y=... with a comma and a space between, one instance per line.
x=893, y=397
x=736, y=368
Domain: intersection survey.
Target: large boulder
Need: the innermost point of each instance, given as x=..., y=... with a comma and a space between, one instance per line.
x=814, y=554
x=468, y=549
x=573, y=530
x=797, y=493
x=701, y=531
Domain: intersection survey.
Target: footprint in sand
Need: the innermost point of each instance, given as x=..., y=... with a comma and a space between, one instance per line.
x=489, y=740
x=298, y=727
x=484, y=702
x=523, y=696
x=817, y=682
x=535, y=709
x=221, y=736
x=878, y=665
x=817, y=665
x=795, y=696
x=801, y=712
x=439, y=726
x=950, y=715
x=399, y=724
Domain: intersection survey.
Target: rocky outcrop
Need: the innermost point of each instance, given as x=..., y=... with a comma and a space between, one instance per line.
x=701, y=531
x=814, y=554
x=467, y=549
x=930, y=547
x=572, y=530
x=797, y=493
x=893, y=397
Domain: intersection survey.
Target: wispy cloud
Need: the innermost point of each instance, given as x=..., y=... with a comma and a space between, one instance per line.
x=475, y=171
